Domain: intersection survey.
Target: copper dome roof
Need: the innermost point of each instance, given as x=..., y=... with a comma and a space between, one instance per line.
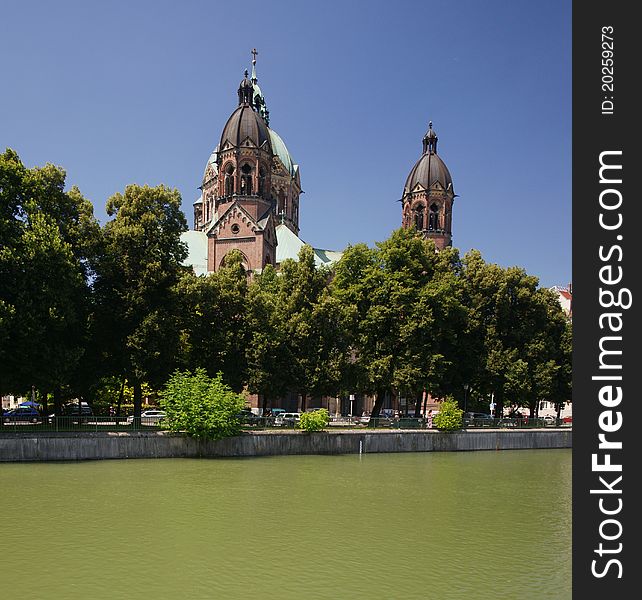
x=427, y=171
x=245, y=123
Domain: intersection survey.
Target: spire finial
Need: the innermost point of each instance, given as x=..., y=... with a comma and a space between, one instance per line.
x=254, y=53
x=430, y=140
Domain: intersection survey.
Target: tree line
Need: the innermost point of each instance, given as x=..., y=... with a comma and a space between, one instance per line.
x=83, y=306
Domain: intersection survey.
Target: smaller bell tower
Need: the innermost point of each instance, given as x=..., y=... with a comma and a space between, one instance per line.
x=428, y=195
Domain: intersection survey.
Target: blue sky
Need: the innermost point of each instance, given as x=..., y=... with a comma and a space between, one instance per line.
x=139, y=91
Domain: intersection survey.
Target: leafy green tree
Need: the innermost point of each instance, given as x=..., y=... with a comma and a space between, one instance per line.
x=314, y=327
x=269, y=353
x=449, y=417
x=137, y=323
x=47, y=242
x=315, y=420
x=405, y=307
x=432, y=355
x=215, y=321
x=201, y=406
x=519, y=335
x=299, y=343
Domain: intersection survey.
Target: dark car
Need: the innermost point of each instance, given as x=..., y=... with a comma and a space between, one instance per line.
x=72, y=409
x=21, y=414
x=77, y=413
x=477, y=419
x=247, y=417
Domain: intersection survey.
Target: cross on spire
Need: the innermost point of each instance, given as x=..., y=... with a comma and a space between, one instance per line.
x=254, y=53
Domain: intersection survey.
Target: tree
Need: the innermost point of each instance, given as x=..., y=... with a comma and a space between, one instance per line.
x=46, y=246
x=449, y=417
x=137, y=323
x=313, y=324
x=268, y=352
x=518, y=332
x=201, y=406
x=405, y=303
x=215, y=321
x=315, y=420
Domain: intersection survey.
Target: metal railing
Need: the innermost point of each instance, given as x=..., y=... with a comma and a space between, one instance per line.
x=88, y=423
x=78, y=423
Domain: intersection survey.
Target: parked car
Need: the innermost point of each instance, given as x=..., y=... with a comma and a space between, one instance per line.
x=148, y=417
x=478, y=419
x=567, y=419
x=287, y=419
x=477, y=415
x=25, y=414
x=548, y=419
x=73, y=412
x=73, y=409
x=247, y=417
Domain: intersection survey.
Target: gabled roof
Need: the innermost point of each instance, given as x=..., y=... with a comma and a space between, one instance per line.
x=233, y=205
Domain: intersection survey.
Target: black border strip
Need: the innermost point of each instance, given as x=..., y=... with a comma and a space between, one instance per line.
x=605, y=125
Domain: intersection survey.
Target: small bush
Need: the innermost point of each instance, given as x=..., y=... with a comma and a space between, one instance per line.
x=315, y=420
x=200, y=405
x=449, y=417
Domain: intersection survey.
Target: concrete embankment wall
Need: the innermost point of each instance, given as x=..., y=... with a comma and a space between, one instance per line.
x=159, y=444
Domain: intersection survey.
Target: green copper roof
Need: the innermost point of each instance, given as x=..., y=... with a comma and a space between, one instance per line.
x=196, y=251
x=289, y=245
x=212, y=161
x=280, y=149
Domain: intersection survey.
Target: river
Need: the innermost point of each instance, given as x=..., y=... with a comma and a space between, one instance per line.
x=444, y=526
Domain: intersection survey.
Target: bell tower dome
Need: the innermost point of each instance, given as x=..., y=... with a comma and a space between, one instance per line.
x=428, y=195
x=250, y=185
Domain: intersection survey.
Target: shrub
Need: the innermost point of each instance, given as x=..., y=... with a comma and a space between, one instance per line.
x=449, y=417
x=200, y=405
x=315, y=420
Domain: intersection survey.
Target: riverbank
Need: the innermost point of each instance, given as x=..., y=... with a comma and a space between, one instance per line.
x=72, y=446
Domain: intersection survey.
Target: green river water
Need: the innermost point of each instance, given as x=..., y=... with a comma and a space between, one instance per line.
x=443, y=526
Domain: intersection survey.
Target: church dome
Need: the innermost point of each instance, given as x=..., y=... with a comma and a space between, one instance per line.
x=212, y=163
x=279, y=148
x=244, y=123
x=428, y=170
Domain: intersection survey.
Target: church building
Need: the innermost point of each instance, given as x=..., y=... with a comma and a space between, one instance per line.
x=250, y=193
x=250, y=202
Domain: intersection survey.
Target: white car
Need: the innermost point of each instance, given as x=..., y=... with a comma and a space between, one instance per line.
x=287, y=419
x=148, y=417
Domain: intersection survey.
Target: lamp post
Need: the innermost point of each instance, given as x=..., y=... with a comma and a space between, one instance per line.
x=466, y=397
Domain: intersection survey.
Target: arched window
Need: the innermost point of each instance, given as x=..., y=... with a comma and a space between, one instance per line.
x=246, y=180
x=433, y=218
x=419, y=218
x=229, y=180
